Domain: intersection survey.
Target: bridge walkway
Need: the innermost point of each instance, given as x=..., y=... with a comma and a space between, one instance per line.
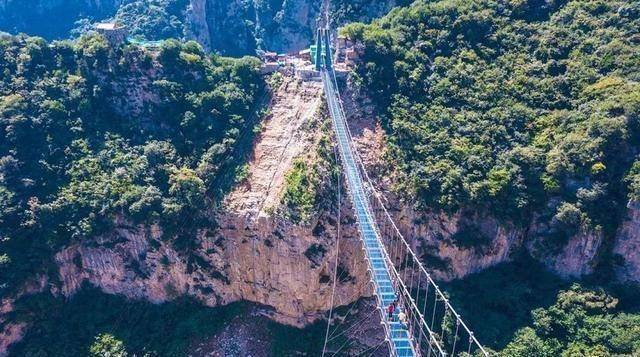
x=397, y=334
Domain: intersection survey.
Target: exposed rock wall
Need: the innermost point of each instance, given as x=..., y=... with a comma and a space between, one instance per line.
x=240, y=27
x=576, y=257
x=51, y=19
x=627, y=244
x=13, y=331
x=433, y=238
x=198, y=28
x=294, y=107
x=265, y=261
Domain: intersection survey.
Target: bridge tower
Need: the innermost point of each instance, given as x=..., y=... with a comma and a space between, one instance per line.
x=327, y=49
x=319, y=50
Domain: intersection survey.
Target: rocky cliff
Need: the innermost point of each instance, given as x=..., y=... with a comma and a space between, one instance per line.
x=273, y=263
x=240, y=27
x=52, y=19
x=627, y=245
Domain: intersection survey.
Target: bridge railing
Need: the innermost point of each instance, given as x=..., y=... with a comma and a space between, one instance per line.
x=434, y=323
x=435, y=327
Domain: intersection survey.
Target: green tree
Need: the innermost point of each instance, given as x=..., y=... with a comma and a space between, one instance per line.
x=106, y=345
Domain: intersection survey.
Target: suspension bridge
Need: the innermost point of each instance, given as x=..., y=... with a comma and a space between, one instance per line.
x=431, y=326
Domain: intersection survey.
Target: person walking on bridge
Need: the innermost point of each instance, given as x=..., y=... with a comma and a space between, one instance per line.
x=403, y=319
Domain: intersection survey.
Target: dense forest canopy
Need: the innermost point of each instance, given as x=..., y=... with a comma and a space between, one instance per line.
x=511, y=107
x=527, y=110
x=92, y=133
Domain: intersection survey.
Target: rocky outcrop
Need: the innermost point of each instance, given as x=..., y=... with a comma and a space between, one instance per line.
x=455, y=246
x=198, y=28
x=266, y=261
x=576, y=257
x=13, y=331
x=290, y=27
x=627, y=245
x=283, y=138
x=240, y=27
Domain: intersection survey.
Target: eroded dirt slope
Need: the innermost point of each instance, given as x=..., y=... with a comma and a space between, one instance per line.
x=283, y=138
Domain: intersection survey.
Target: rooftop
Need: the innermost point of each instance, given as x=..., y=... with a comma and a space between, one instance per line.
x=108, y=26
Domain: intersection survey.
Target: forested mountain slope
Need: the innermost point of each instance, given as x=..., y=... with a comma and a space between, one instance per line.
x=90, y=133
x=528, y=110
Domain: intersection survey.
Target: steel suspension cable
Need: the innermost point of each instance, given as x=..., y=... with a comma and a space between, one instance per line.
x=335, y=270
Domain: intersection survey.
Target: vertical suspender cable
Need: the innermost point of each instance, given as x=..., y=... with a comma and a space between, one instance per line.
x=335, y=270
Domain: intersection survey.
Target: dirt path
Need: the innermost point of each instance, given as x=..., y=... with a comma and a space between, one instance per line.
x=282, y=139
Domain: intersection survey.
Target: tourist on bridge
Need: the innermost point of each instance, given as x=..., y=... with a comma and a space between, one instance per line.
x=391, y=309
x=403, y=319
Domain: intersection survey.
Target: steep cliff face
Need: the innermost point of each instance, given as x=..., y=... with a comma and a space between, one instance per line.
x=251, y=255
x=13, y=331
x=627, y=244
x=52, y=19
x=576, y=257
x=224, y=26
x=240, y=27
x=440, y=241
x=264, y=261
x=198, y=28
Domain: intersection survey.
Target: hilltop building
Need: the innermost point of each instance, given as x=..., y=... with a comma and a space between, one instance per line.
x=115, y=33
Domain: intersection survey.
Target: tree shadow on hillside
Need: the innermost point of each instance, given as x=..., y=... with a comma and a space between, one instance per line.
x=230, y=172
x=68, y=327
x=496, y=302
